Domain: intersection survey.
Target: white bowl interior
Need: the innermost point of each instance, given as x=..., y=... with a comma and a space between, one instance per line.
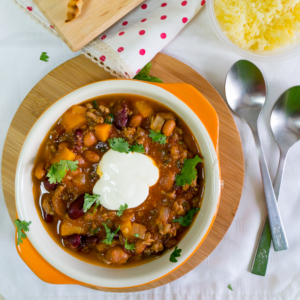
x=279, y=54
x=89, y=273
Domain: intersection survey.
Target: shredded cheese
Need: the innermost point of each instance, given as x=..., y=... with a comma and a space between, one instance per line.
x=259, y=25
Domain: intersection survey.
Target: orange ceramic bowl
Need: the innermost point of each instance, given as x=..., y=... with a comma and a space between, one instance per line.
x=49, y=261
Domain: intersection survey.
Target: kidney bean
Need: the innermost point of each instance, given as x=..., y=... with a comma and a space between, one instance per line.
x=78, y=140
x=91, y=240
x=48, y=218
x=75, y=210
x=121, y=115
x=73, y=241
x=49, y=186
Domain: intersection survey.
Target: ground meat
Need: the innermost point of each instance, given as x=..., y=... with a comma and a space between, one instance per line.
x=157, y=247
x=94, y=117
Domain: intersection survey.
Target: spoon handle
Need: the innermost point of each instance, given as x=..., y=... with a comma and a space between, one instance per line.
x=260, y=262
x=276, y=226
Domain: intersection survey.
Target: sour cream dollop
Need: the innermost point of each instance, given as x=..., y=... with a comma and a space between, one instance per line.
x=125, y=178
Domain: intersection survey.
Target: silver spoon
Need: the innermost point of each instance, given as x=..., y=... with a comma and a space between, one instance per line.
x=285, y=125
x=246, y=94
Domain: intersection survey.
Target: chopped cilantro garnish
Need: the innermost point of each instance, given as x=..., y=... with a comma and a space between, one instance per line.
x=89, y=200
x=137, y=148
x=94, y=231
x=137, y=235
x=121, y=209
x=129, y=246
x=188, y=172
x=175, y=253
x=187, y=219
x=144, y=74
x=109, y=235
x=157, y=137
x=44, y=56
x=119, y=144
x=230, y=287
x=22, y=227
x=59, y=170
x=95, y=104
x=110, y=119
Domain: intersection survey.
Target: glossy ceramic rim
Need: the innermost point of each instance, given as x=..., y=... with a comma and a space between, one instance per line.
x=287, y=52
x=87, y=273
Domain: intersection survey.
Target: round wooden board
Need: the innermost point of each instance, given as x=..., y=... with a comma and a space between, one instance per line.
x=80, y=71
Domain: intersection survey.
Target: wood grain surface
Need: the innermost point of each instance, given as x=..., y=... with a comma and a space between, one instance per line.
x=96, y=16
x=80, y=71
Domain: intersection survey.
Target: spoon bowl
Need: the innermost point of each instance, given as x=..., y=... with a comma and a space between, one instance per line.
x=285, y=119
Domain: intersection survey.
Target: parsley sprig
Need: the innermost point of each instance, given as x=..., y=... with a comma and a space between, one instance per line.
x=175, y=253
x=120, y=145
x=144, y=74
x=129, y=246
x=187, y=219
x=158, y=137
x=188, y=171
x=89, y=200
x=230, y=287
x=22, y=227
x=121, y=209
x=59, y=170
x=109, y=235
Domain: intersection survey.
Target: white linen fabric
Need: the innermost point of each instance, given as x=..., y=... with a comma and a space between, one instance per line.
x=21, y=44
x=133, y=41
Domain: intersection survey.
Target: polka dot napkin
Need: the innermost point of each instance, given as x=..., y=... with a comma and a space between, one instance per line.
x=133, y=41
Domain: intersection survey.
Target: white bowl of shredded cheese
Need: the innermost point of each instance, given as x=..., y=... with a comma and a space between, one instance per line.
x=264, y=31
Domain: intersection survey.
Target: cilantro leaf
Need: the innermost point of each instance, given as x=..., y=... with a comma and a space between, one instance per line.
x=137, y=148
x=95, y=104
x=175, y=253
x=157, y=137
x=22, y=227
x=94, y=231
x=144, y=74
x=44, y=56
x=59, y=170
x=119, y=144
x=188, y=172
x=137, y=235
x=89, y=200
x=110, y=119
x=230, y=287
x=187, y=219
x=121, y=209
x=129, y=246
x=109, y=235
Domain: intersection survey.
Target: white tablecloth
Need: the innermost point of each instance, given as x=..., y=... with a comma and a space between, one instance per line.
x=21, y=44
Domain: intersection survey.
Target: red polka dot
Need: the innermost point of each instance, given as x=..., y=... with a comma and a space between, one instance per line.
x=142, y=32
x=163, y=17
x=103, y=37
x=125, y=23
x=164, y=4
x=29, y=8
x=203, y=2
x=121, y=49
x=163, y=35
x=142, y=51
x=184, y=20
x=144, y=20
x=184, y=3
x=126, y=73
x=122, y=32
x=51, y=26
x=102, y=58
x=138, y=71
x=144, y=6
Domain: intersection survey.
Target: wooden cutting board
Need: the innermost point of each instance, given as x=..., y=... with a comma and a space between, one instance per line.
x=96, y=16
x=80, y=71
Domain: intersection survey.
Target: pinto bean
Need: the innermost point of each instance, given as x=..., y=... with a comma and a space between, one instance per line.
x=89, y=139
x=40, y=171
x=116, y=255
x=168, y=127
x=135, y=121
x=92, y=156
